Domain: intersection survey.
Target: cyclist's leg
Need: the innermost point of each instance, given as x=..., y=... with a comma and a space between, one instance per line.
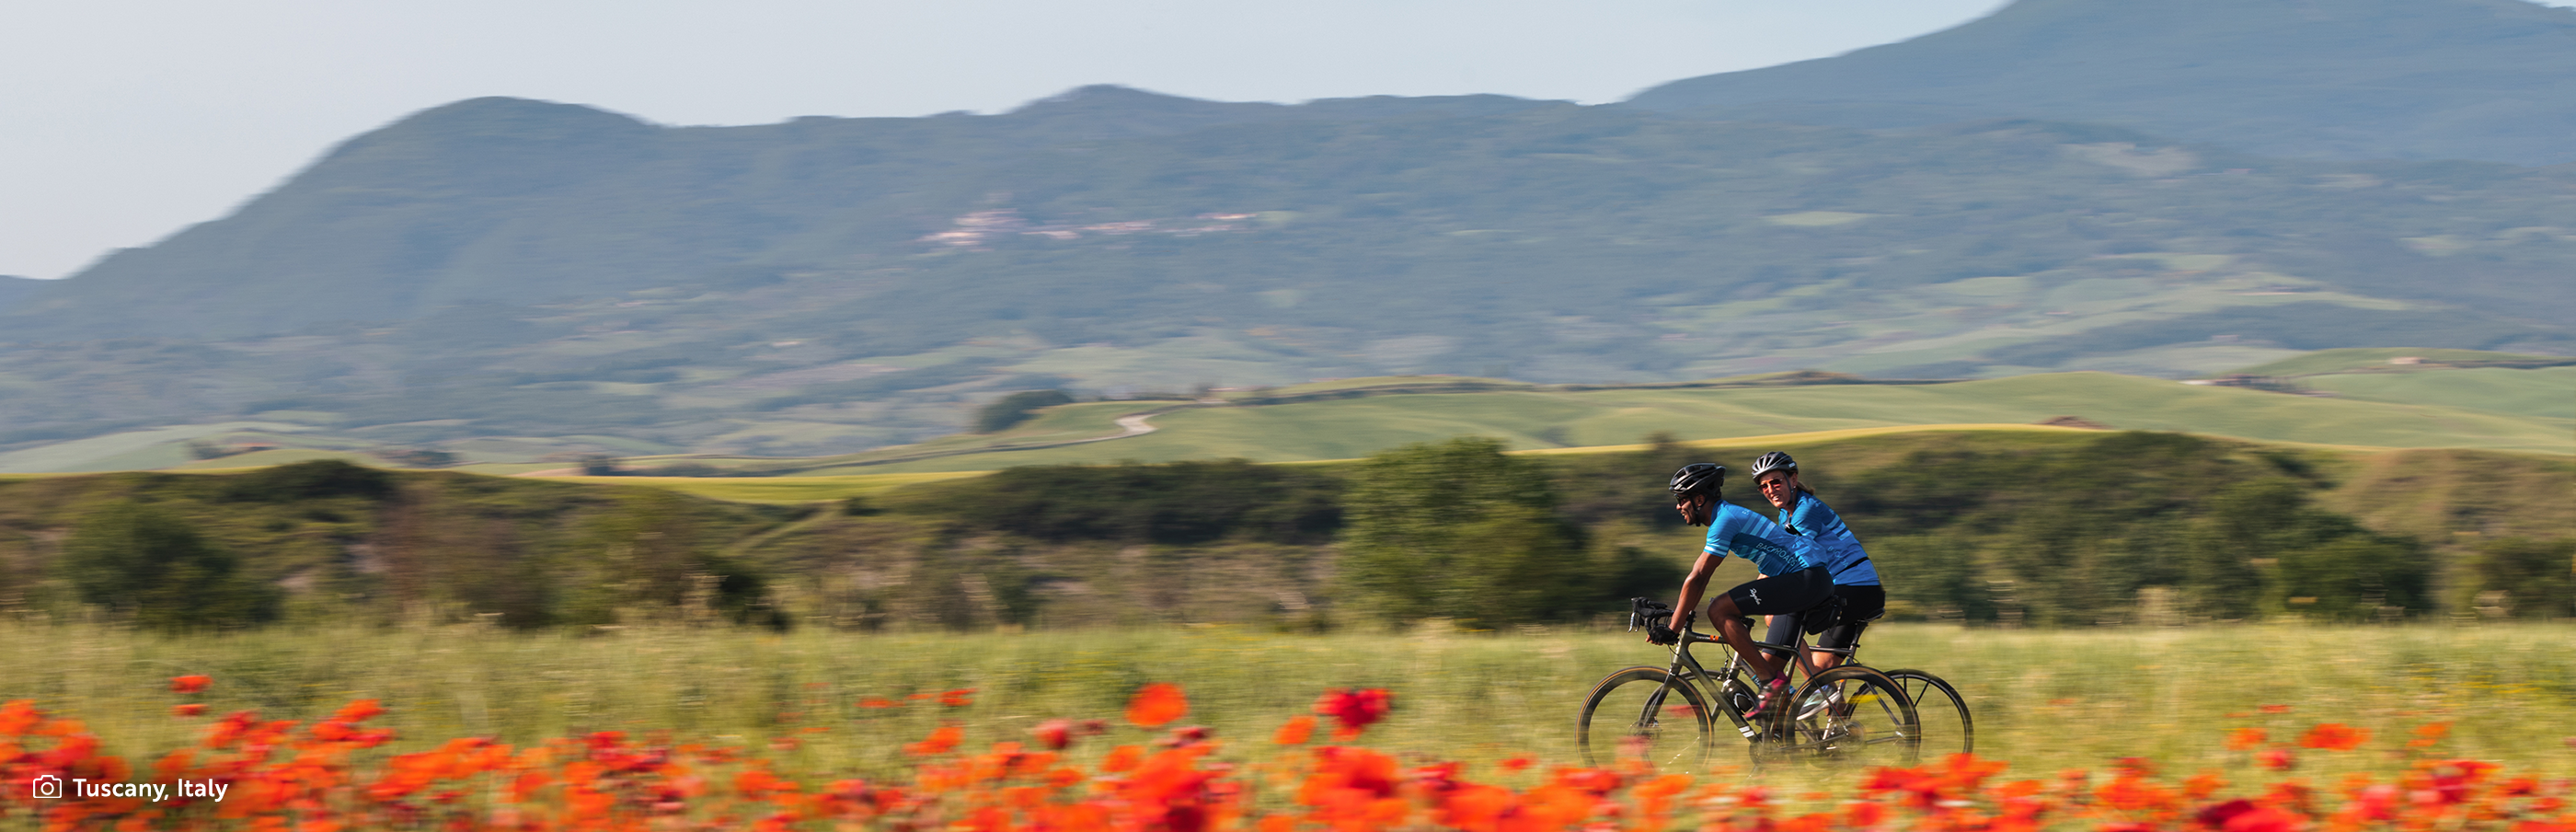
x=1775, y=595
x=1784, y=630
x=1860, y=604
x=1737, y=632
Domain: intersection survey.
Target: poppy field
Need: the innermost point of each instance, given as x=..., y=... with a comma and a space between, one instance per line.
x=1188, y=730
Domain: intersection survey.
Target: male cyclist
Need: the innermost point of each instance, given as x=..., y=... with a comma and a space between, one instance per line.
x=1855, y=580
x=1794, y=576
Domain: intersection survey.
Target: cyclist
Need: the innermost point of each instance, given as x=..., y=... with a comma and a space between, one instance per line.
x=1793, y=578
x=1855, y=580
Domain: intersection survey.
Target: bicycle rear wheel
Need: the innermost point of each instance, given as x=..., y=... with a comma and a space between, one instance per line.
x=1645, y=713
x=1850, y=715
x=1947, y=727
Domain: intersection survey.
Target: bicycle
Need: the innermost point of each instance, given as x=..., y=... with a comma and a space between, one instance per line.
x=1850, y=713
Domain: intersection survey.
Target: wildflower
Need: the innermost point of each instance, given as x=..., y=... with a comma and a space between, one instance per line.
x=1055, y=734
x=190, y=684
x=1295, y=732
x=190, y=709
x=2245, y=739
x=2431, y=733
x=1157, y=704
x=2276, y=709
x=2334, y=736
x=940, y=741
x=958, y=698
x=879, y=702
x=18, y=716
x=2278, y=759
x=358, y=711
x=2202, y=785
x=2264, y=820
x=1864, y=814
x=1353, y=710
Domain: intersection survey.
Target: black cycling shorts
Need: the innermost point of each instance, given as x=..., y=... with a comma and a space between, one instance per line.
x=1781, y=594
x=1859, y=605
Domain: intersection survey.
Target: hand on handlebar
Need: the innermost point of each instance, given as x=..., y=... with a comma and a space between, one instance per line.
x=1660, y=633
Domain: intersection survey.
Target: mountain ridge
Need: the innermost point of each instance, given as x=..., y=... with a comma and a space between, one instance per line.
x=2335, y=79
x=549, y=276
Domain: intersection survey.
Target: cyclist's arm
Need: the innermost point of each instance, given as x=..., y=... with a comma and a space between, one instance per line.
x=1694, y=586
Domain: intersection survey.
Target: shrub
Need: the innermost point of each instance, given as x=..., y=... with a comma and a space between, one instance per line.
x=313, y=480
x=1457, y=529
x=2532, y=578
x=1177, y=503
x=140, y=560
x=1016, y=408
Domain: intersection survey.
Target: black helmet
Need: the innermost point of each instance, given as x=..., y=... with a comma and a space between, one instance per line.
x=1773, y=461
x=1698, y=477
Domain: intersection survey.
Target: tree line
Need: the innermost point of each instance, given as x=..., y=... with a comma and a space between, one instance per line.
x=2051, y=531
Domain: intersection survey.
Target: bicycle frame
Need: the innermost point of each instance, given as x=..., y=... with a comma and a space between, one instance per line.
x=1686, y=669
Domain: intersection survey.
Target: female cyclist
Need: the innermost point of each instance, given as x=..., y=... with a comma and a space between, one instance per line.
x=1855, y=580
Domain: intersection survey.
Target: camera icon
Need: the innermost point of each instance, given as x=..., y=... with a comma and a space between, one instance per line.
x=49, y=786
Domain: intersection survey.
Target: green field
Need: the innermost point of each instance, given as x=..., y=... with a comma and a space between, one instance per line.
x=2547, y=394
x=2365, y=403
x=2045, y=701
x=779, y=489
x=127, y=451
x=2400, y=415
x=2381, y=359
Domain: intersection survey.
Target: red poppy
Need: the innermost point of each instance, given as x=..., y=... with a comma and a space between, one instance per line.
x=939, y=742
x=2334, y=736
x=1055, y=734
x=190, y=709
x=1157, y=704
x=1354, y=710
x=190, y=684
x=1295, y=732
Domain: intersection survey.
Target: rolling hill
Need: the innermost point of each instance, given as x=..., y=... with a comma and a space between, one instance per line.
x=2533, y=414
x=2381, y=406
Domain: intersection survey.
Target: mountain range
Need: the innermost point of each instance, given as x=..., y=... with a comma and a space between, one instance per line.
x=2329, y=79
x=2168, y=189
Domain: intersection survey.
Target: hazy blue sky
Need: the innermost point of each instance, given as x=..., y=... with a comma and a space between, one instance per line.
x=124, y=120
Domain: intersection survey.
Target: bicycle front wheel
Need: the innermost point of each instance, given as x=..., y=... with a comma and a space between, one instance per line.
x=1947, y=727
x=1850, y=715
x=1644, y=713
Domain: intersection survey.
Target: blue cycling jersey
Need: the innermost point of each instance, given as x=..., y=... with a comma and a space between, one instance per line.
x=1811, y=520
x=1755, y=538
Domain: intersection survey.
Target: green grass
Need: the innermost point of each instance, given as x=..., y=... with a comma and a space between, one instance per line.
x=1342, y=384
x=1347, y=428
x=126, y=451
x=2377, y=359
x=778, y=489
x=2044, y=700
x=2547, y=393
